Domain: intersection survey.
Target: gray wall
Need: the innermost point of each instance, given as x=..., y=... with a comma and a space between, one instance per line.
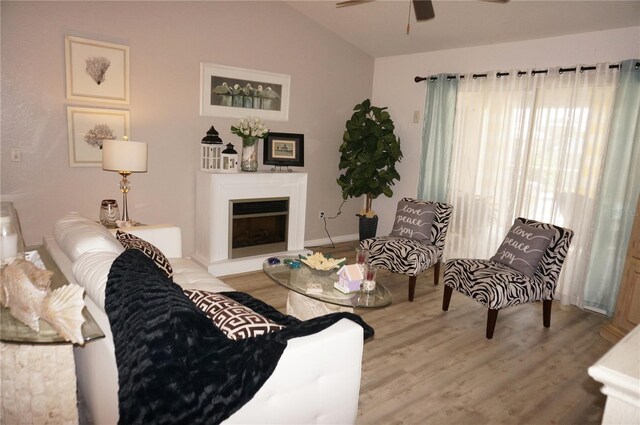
x=167, y=41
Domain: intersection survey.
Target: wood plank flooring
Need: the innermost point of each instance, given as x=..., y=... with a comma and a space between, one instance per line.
x=429, y=366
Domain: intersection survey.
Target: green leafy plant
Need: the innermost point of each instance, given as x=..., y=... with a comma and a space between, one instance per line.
x=369, y=153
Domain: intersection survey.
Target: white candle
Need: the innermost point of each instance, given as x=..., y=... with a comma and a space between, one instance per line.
x=8, y=247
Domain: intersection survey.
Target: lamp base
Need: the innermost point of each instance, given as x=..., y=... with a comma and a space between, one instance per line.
x=125, y=186
x=126, y=223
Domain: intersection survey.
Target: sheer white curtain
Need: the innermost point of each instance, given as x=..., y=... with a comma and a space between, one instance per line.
x=529, y=146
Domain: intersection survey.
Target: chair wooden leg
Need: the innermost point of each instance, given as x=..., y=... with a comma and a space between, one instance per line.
x=546, y=313
x=446, y=298
x=412, y=287
x=436, y=274
x=492, y=317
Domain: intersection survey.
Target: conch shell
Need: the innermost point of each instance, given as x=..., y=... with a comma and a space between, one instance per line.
x=24, y=289
x=63, y=311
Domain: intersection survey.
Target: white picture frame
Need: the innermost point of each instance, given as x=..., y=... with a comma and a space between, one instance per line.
x=269, y=97
x=84, y=127
x=97, y=71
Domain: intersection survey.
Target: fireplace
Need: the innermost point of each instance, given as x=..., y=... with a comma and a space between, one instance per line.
x=258, y=226
x=214, y=217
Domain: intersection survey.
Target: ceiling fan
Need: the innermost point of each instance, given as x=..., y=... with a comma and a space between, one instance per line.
x=422, y=8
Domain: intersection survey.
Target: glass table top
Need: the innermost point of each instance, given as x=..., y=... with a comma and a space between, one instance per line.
x=14, y=331
x=298, y=279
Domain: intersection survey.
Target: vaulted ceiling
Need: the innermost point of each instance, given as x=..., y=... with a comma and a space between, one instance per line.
x=379, y=27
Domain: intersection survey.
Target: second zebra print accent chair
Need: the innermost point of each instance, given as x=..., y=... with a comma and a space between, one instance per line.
x=496, y=285
x=412, y=256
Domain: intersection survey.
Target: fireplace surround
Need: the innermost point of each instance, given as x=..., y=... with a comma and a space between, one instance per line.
x=216, y=195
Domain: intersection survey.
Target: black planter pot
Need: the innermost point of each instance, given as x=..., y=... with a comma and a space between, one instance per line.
x=368, y=227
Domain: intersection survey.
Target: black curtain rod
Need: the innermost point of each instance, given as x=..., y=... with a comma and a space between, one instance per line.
x=521, y=73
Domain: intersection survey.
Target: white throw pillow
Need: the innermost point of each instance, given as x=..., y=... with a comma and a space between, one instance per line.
x=91, y=271
x=77, y=234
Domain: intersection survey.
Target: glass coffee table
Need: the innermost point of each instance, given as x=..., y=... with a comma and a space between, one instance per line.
x=305, y=305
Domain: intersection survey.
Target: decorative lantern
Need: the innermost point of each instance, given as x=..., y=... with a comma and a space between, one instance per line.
x=229, y=159
x=211, y=152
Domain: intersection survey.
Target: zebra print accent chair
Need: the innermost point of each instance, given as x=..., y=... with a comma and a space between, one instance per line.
x=408, y=256
x=497, y=286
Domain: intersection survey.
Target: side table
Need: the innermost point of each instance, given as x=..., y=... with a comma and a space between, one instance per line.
x=619, y=372
x=38, y=371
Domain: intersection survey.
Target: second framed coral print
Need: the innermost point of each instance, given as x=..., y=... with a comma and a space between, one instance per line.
x=88, y=128
x=97, y=71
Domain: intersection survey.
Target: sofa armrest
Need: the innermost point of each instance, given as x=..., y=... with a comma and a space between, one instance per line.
x=317, y=380
x=166, y=237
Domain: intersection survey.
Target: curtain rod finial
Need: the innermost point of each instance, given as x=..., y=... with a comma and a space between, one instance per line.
x=418, y=79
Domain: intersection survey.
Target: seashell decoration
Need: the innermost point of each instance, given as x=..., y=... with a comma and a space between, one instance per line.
x=63, y=311
x=24, y=289
x=320, y=262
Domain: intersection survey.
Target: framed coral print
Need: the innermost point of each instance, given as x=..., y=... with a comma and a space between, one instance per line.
x=231, y=92
x=88, y=127
x=97, y=71
x=284, y=150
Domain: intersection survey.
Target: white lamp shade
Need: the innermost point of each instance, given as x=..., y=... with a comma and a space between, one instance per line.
x=121, y=155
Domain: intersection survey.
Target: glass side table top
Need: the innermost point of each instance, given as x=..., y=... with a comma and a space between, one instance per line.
x=297, y=280
x=14, y=331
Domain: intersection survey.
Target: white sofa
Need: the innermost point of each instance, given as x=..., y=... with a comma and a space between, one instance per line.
x=317, y=379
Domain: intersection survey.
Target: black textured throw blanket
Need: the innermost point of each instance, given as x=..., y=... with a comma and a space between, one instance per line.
x=174, y=365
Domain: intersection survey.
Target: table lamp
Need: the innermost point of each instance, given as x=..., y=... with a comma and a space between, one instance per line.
x=124, y=157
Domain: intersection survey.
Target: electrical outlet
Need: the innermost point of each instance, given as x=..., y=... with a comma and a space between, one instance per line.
x=321, y=215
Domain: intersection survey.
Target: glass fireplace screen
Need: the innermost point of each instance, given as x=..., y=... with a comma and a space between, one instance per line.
x=258, y=226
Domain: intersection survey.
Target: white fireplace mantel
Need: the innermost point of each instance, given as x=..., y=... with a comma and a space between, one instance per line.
x=214, y=191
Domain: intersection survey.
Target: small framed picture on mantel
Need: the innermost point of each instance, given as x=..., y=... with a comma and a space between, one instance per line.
x=284, y=150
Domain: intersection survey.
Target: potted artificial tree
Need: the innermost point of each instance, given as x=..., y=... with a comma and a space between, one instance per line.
x=369, y=152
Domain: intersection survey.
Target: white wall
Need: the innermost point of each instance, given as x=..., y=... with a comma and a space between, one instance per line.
x=393, y=85
x=167, y=41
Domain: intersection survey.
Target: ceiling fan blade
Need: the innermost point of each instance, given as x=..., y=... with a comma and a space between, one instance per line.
x=496, y=1
x=352, y=2
x=424, y=10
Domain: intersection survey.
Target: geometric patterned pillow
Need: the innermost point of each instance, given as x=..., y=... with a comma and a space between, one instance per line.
x=130, y=241
x=414, y=221
x=523, y=247
x=231, y=317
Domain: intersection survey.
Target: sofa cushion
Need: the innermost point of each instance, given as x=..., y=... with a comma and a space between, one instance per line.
x=91, y=270
x=190, y=275
x=413, y=220
x=231, y=317
x=130, y=241
x=523, y=247
x=77, y=234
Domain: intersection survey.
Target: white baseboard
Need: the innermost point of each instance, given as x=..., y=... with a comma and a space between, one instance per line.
x=326, y=241
x=595, y=310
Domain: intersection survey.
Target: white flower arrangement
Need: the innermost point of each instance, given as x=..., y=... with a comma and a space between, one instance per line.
x=250, y=127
